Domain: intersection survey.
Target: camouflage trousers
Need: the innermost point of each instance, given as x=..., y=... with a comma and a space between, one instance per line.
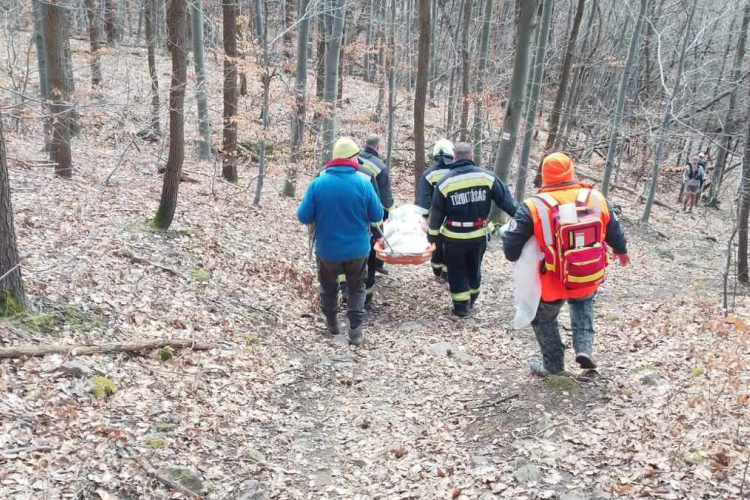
x=547, y=331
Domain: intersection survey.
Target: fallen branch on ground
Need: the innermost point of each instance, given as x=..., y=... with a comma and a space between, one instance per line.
x=153, y=473
x=89, y=349
x=496, y=402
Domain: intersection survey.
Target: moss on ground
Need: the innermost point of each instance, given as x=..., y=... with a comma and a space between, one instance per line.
x=102, y=387
x=199, y=275
x=9, y=305
x=166, y=353
x=564, y=383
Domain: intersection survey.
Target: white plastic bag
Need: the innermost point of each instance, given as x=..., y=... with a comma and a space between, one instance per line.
x=528, y=284
x=405, y=232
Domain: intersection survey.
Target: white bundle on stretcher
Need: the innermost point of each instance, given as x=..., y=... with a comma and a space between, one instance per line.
x=405, y=231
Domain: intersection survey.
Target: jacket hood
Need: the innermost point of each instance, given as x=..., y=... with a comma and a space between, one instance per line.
x=342, y=162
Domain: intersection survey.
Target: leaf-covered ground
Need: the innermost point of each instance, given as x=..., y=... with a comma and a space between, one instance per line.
x=430, y=408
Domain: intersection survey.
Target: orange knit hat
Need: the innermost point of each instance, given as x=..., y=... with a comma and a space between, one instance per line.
x=557, y=168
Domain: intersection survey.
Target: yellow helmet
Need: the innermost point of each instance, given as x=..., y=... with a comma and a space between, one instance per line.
x=345, y=148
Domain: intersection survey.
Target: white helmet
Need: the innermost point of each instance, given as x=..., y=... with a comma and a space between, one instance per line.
x=444, y=147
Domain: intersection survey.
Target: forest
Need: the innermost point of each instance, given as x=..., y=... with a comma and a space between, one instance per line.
x=160, y=326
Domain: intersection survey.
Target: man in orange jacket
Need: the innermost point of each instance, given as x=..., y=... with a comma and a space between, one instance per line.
x=560, y=188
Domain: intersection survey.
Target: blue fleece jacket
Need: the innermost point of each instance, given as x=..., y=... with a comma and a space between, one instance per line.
x=342, y=205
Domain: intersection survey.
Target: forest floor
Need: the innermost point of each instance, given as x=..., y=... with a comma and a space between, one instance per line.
x=429, y=408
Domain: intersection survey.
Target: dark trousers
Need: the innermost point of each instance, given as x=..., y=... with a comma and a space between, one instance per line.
x=464, y=262
x=373, y=264
x=354, y=273
x=437, y=261
x=547, y=332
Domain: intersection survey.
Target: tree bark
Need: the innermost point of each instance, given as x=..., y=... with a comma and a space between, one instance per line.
x=432, y=78
x=744, y=209
x=12, y=295
x=320, y=65
x=667, y=119
x=300, y=91
x=92, y=7
x=727, y=129
x=514, y=108
x=266, y=80
x=536, y=85
x=150, y=16
x=288, y=23
x=465, y=72
x=420, y=94
x=330, y=88
x=42, y=68
x=451, y=96
x=177, y=28
x=229, y=142
x=484, y=47
x=391, y=84
x=60, y=154
x=367, y=57
x=562, y=85
x=621, y=96
x=204, y=127
x=110, y=21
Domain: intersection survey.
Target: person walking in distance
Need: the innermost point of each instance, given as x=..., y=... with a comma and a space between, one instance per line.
x=342, y=205
x=573, y=224
x=459, y=215
x=693, y=178
x=442, y=155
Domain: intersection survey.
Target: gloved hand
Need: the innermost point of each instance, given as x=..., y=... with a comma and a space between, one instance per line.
x=432, y=238
x=623, y=258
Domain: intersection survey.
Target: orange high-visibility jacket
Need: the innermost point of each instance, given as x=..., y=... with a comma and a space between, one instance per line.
x=552, y=287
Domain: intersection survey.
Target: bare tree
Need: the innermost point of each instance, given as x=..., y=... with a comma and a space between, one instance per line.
x=484, y=47
x=330, y=89
x=177, y=28
x=300, y=93
x=266, y=81
x=39, y=21
x=465, y=71
x=12, y=295
x=229, y=144
x=92, y=7
x=150, y=15
x=204, y=144
x=420, y=94
x=391, y=70
x=54, y=20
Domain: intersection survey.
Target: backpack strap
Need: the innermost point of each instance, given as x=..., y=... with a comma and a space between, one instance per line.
x=542, y=211
x=586, y=194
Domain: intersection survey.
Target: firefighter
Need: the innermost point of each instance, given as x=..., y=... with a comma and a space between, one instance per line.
x=371, y=167
x=459, y=214
x=442, y=153
x=534, y=219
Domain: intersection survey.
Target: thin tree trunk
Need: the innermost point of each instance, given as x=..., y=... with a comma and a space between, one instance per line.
x=617, y=117
x=381, y=76
x=110, y=21
x=465, y=72
x=342, y=56
x=300, y=92
x=55, y=18
x=42, y=68
x=536, y=85
x=391, y=84
x=727, y=131
x=229, y=143
x=484, y=47
x=330, y=89
x=320, y=68
x=432, y=78
x=70, y=83
x=420, y=95
x=514, y=108
x=288, y=23
x=12, y=296
x=258, y=15
x=367, y=57
x=454, y=73
x=150, y=15
x=744, y=211
x=266, y=80
x=667, y=120
x=92, y=6
x=177, y=29
x=204, y=128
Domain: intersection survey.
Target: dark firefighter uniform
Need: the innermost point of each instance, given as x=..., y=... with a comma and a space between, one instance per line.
x=425, y=190
x=459, y=214
x=372, y=168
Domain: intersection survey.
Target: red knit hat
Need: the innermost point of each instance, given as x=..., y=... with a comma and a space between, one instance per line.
x=556, y=168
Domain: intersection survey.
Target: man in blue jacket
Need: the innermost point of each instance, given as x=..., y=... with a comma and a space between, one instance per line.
x=342, y=205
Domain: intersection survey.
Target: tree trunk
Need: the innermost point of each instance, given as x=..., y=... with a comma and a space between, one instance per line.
x=667, y=120
x=420, y=94
x=367, y=58
x=177, y=30
x=300, y=93
x=320, y=68
x=514, y=108
x=451, y=96
x=381, y=73
x=432, y=78
x=150, y=15
x=465, y=72
x=742, y=265
x=536, y=85
x=288, y=24
x=342, y=55
x=42, y=68
x=562, y=85
x=110, y=21
x=229, y=143
x=391, y=84
x=727, y=131
x=625, y=78
x=484, y=47
x=12, y=296
x=70, y=83
x=204, y=127
x=92, y=7
x=258, y=15
x=266, y=80
x=330, y=88
x=55, y=18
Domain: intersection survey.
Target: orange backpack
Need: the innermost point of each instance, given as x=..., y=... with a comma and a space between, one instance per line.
x=574, y=251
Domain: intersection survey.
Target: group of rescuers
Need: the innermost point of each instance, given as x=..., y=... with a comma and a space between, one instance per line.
x=351, y=196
